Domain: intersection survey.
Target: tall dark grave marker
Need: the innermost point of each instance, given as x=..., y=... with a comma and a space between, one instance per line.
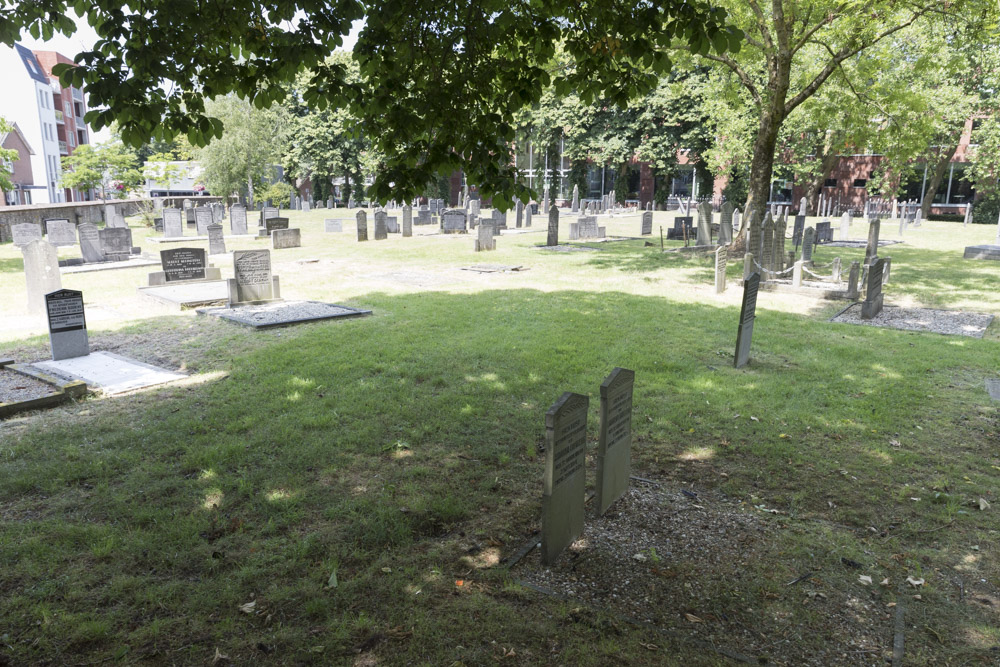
x=614, y=448
x=748, y=312
x=553, y=235
x=565, y=476
x=67, y=324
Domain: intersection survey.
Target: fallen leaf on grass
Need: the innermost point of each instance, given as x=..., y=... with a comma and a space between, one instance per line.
x=983, y=505
x=459, y=583
x=693, y=618
x=865, y=579
x=651, y=647
x=884, y=582
x=894, y=442
x=914, y=582
x=332, y=581
x=248, y=608
x=752, y=418
x=219, y=657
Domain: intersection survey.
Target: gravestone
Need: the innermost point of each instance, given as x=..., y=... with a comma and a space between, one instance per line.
x=474, y=207
x=306, y=206
x=852, y=280
x=499, y=219
x=407, y=221
x=90, y=243
x=754, y=234
x=60, y=232
x=704, y=224
x=528, y=212
x=424, y=215
x=721, y=259
x=381, y=232
x=24, y=233
x=362, y=222
x=518, y=213
x=216, y=244
x=286, y=238
x=333, y=226
x=824, y=232
x=587, y=227
x=614, y=446
x=272, y=224
x=845, y=226
x=116, y=243
x=797, y=228
x=737, y=219
x=238, y=220
x=253, y=280
x=803, y=205
x=872, y=305
x=545, y=202
x=808, y=238
x=647, y=223
x=202, y=219
x=266, y=213
x=487, y=238
x=748, y=312
x=329, y=202
x=576, y=199
x=41, y=272
x=778, y=253
x=553, y=236
x=173, y=223
x=189, y=215
x=180, y=264
x=726, y=223
x=565, y=475
x=217, y=213
x=767, y=246
x=391, y=224
x=871, y=249
x=453, y=221
x=112, y=218
x=67, y=324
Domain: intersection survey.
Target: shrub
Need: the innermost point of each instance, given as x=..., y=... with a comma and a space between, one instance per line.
x=279, y=193
x=986, y=209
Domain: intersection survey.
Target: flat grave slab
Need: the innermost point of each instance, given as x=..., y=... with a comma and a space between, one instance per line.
x=283, y=313
x=111, y=373
x=189, y=295
x=567, y=248
x=950, y=322
x=414, y=278
x=982, y=252
x=134, y=262
x=188, y=239
x=859, y=243
x=494, y=268
x=993, y=389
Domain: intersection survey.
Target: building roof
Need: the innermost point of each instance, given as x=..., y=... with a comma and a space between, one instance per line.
x=31, y=64
x=3, y=139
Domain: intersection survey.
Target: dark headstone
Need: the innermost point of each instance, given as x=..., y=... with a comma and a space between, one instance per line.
x=67, y=324
x=565, y=476
x=553, y=235
x=183, y=264
x=116, y=242
x=748, y=312
x=614, y=448
x=872, y=305
x=647, y=223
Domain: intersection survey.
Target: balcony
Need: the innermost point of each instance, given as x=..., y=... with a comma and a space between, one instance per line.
x=62, y=148
x=60, y=118
x=77, y=94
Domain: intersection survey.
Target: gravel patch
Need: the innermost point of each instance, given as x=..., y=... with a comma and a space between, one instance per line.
x=16, y=387
x=952, y=322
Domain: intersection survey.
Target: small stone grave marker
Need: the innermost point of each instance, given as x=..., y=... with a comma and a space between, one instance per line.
x=238, y=220
x=173, y=223
x=271, y=224
x=24, y=233
x=565, y=476
x=647, y=223
x=333, y=226
x=90, y=243
x=808, y=237
x=116, y=242
x=872, y=305
x=552, y=238
x=253, y=281
x=183, y=264
x=407, y=221
x=453, y=221
x=286, y=238
x=748, y=312
x=41, y=272
x=61, y=232
x=381, y=226
x=67, y=324
x=704, y=224
x=362, y=222
x=216, y=244
x=202, y=219
x=486, y=239
x=614, y=448
x=721, y=259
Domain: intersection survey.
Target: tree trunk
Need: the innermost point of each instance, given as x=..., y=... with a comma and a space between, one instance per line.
x=761, y=166
x=940, y=169
x=250, y=188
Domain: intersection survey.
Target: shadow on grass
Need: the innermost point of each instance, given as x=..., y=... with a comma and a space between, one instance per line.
x=361, y=446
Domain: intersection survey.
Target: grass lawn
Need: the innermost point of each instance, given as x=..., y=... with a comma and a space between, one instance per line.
x=344, y=492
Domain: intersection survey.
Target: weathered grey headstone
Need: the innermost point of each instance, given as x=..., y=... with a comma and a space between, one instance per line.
x=183, y=264
x=286, y=238
x=803, y=206
x=545, y=202
x=871, y=249
x=852, y=280
x=721, y=259
x=565, y=475
x=798, y=227
x=60, y=232
x=202, y=219
x=362, y=220
x=518, y=213
x=576, y=199
x=748, y=312
x=553, y=235
x=587, y=227
x=778, y=251
x=173, y=223
x=216, y=244
x=499, y=219
x=704, y=224
x=424, y=215
x=808, y=239
x=647, y=223
x=268, y=212
x=726, y=223
x=333, y=226
x=381, y=230
x=474, y=207
x=116, y=242
x=487, y=238
x=614, y=446
x=407, y=221
x=528, y=212
x=90, y=243
x=872, y=305
x=767, y=246
x=253, y=280
x=391, y=224
x=238, y=220
x=329, y=202
x=755, y=234
x=306, y=206
x=24, y=233
x=273, y=224
x=845, y=226
x=67, y=324
x=41, y=272
x=454, y=221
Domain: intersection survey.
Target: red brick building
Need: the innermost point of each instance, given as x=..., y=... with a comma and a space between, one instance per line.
x=21, y=175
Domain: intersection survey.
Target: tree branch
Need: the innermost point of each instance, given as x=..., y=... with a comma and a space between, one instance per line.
x=744, y=78
x=762, y=22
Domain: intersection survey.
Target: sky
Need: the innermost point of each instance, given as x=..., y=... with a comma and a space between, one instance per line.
x=85, y=37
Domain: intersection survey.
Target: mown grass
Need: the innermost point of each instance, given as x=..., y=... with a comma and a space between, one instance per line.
x=402, y=451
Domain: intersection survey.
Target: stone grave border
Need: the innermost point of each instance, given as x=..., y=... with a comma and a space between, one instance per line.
x=65, y=390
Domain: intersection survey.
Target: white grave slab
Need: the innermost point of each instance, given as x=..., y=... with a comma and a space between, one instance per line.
x=110, y=373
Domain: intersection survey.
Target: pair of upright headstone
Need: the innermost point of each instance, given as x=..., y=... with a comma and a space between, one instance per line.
x=564, y=482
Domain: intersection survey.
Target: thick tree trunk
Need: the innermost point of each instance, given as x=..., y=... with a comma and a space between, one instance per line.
x=761, y=166
x=940, y=169
x=250, y=189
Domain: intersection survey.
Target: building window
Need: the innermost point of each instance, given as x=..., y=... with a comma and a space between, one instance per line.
x=860, y=182
x=830, y=183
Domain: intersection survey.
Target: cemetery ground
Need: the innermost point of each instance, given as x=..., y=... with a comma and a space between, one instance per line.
x=348, y=492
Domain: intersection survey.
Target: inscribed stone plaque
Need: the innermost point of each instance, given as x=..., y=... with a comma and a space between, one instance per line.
x=268, y=212
x=333, y=226
x=407, y=221
x=808, y=237
x=453, y=221
x=647, y=223
x=614, y=448
x=238, y=219
x=748, y=312
x=61, y=232
x=25, y=232
x=704, y=224
x=41, y=272
x=67, y=324
x=116, y=243
x=721, y=259
x=362, y=219
x=797, y=228
x=202, y=219
x=381, y=230
x=183, y=264
x=564, y=482
x=271, y=224
x=424, y=215
x=872, y=305
x=871, y=249
x=392, y=224
x=252, y=269
x=90, y=243
x=553, y=235
x=286, y=238
x=216, y=244
x=173, y=223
